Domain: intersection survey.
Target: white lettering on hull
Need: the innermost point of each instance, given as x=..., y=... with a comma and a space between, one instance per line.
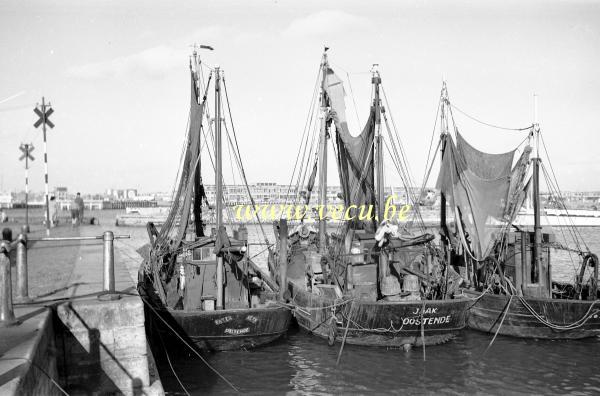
x=426, y=321
x=237, y=331
x=222, y=320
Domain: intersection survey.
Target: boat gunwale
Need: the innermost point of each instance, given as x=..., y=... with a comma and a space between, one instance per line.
x=180, y=312
x=528, y=299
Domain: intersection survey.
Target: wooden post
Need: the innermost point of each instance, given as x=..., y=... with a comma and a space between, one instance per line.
x=283, y=250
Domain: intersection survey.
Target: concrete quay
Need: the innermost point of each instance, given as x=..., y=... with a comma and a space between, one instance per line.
x=71, y=337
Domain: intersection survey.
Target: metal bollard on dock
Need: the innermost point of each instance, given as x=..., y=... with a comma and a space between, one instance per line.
x=22, y=276
x=7, y=315
x=109, y=267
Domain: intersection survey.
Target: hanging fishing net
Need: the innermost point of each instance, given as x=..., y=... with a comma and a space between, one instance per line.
x=484, y=190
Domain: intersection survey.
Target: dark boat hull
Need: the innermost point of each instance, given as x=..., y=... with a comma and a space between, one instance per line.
x=487, y=312
x=386, y=324
x=232, y=329
x=221, y=330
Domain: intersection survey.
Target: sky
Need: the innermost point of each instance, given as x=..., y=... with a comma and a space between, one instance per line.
x=116, y=74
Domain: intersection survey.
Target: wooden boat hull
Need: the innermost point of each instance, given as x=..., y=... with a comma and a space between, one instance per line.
x=221, y=330
x=386, y=324
x=485, y=314
x=228, y=329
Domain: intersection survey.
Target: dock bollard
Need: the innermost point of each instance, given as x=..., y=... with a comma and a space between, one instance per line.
x=109, y=268
x=7, y=315
x=22, y=277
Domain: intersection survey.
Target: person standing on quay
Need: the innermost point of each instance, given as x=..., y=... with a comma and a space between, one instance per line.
x=53, y=212
x=74, y=212
x=79, y=201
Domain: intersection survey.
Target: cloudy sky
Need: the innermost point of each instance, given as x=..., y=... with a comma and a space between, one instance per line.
x=116, y=73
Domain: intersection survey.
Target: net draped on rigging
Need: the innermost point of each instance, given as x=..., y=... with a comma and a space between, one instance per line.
x=355, y=153
x=176, y=224
x=485, y=190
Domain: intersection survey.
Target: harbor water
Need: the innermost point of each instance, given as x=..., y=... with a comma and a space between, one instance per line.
x=305, y=364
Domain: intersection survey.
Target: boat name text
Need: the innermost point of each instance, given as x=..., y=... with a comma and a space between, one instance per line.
x=222, y=320
x=237, y=331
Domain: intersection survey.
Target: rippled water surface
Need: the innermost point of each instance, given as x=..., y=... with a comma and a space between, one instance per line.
x=304, y=364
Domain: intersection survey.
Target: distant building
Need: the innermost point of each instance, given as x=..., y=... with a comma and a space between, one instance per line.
x=61, y=193
x=121, y=194
x=6, y=200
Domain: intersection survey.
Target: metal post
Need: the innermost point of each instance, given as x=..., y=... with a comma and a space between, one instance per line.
x=7, y=315
x=109, y=262
x=22, y=277
x=27, y=191
x=46, y=171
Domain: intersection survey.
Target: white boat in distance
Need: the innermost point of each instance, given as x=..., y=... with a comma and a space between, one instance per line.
x=560, y=218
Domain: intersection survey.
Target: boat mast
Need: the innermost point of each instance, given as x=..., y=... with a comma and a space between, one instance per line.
x=218, y=182
x=540, y=272
x=197, y=210
x=323, y=157
x=384, y=269
x=376, y=81
x=443, y=136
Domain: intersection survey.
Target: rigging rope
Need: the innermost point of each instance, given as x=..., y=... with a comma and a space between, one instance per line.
x=305, y=132
x=488, y=124
x=239, y=156
x=185, y=342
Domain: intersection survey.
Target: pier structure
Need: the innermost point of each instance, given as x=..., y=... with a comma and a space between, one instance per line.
x=79, y=328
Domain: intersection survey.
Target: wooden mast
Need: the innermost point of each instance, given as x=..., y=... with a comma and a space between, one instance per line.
x=218, y=183
x=376, y=81
x=323, y=158
x=443, y=137
x=197, y=209
x=378, y=169
x=541, y=270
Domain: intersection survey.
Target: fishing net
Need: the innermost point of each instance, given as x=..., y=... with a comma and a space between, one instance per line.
x=485, y=190
x=175, y=226
x=355, y=153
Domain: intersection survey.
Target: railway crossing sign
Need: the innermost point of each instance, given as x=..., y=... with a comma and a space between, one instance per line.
x=26, y=149
x=44, y=116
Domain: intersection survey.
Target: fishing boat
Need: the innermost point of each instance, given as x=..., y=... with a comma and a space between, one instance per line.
x=376, y=279
x=206, y=287
x=507, y=266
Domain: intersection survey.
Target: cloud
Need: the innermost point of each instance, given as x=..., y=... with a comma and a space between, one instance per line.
x=152, y=62
x=325, y=23
x=155, y=62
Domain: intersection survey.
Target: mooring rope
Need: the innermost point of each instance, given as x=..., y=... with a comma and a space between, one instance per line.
x=64, y=392
x=189, y=346
x=337, y=362
x=171, y=365
x=572, y=326
x=501, y=322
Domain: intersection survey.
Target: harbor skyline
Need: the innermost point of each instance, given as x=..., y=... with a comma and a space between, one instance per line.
x=103, y=82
